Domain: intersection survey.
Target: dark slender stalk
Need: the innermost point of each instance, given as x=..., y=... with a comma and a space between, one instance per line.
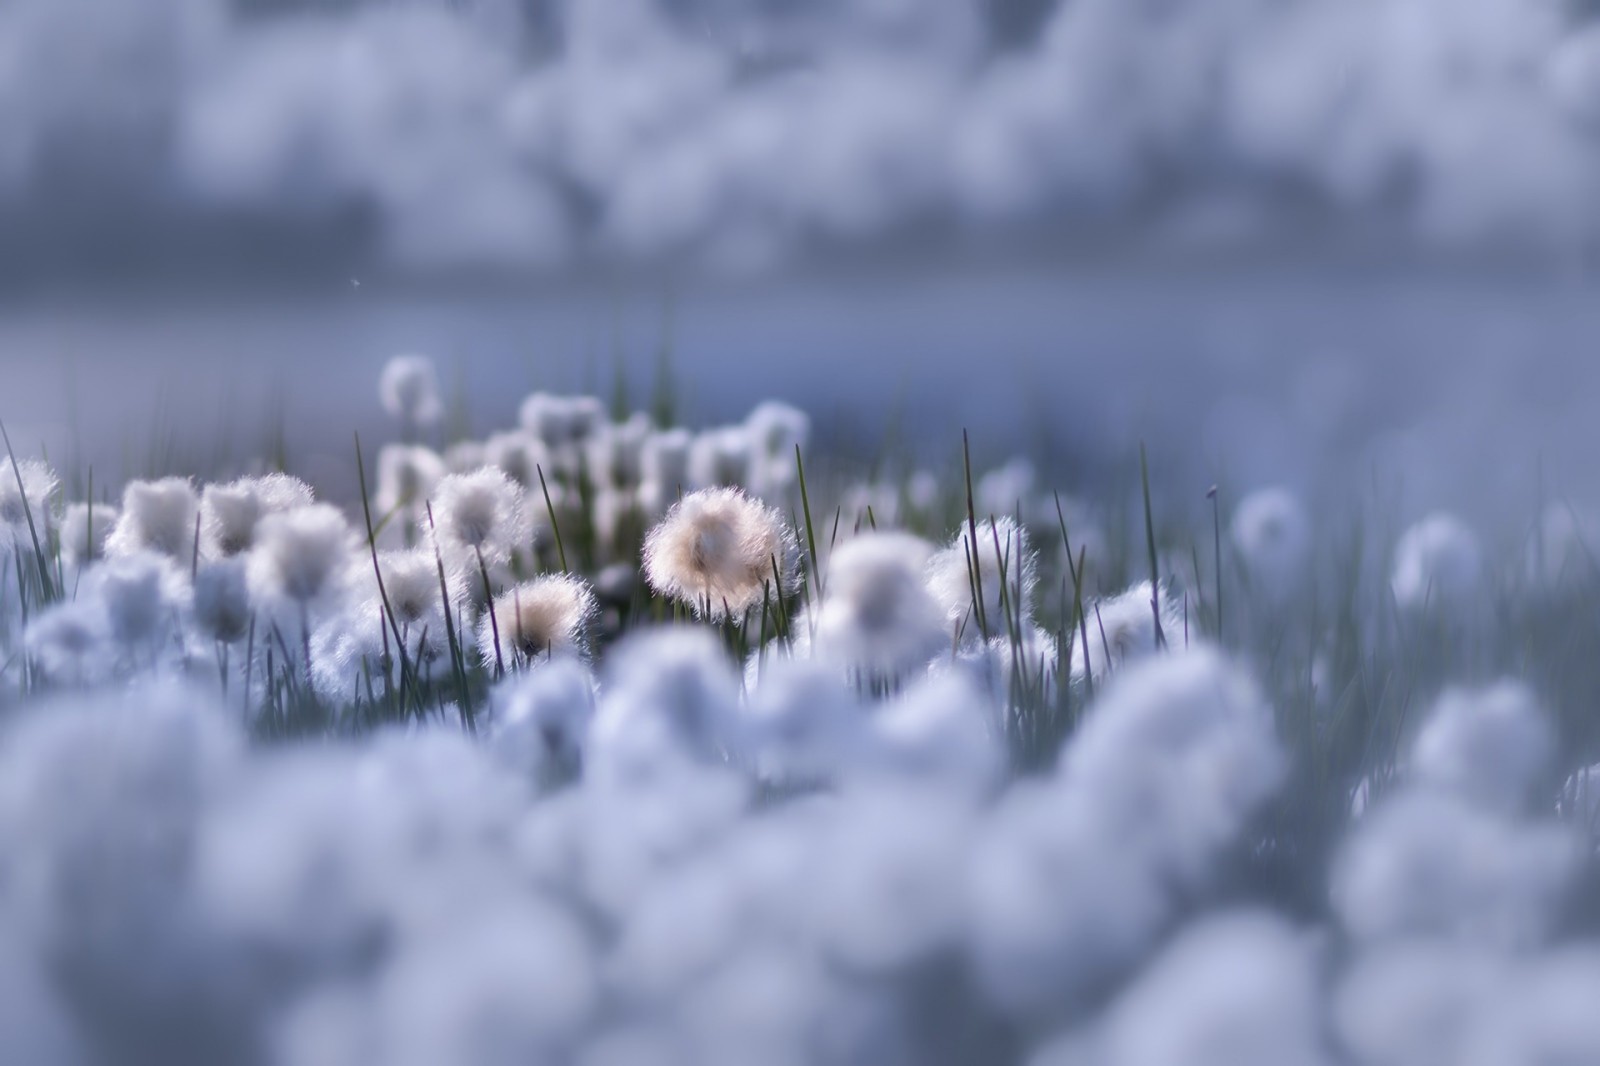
x=972, y=538
x=1150, y=544
x=1216, y=546
x=555, y=526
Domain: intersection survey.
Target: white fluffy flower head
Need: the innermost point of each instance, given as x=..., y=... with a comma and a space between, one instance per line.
x=300, y=553
x=157, y=516
x=230, y=513
x=720, y=457
x=1007, y=569
x=407, y=475
x=1437, y=562
x=410, y=584
x=561, y=421
x=30, y=500
x=877, y=613
x=1272, y=534
x=222, y=608
x=409, y=390
x=776, y=429
x=1122, y=629
x=481, y=513
x=546, y=618
x=1492, y=746
x=720, y=552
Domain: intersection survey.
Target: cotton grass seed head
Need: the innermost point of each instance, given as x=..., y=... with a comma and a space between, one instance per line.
x=18, y=503
x=615, y=453
x=562, y=422
x=520, y=454
x=664, y=459
x=877, y=614
x=67, y=643
x=222, y=608
x=300, y=554
x=407, y=475
x=1492, y=746
x=409, y=390
x=721, y=457
x=481, y=513
x=546, y=618
x=1437, y=562
x=1006, y=566
x=720, y=552
x=776, y=429
x=540, y=722
x=410, y=585
x=156, y=516
x=230, y=513
x=1272, y=534
x=143, y=595
x=1122, y=629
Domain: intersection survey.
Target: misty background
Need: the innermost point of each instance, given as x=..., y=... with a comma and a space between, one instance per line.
x=1315, y=241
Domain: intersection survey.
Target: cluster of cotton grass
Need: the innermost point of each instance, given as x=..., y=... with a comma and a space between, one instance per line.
x=653, y=749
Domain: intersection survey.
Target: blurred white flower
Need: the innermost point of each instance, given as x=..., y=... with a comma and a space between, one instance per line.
x=616, y=453
x=157, y=516
x=222, y=607
x=410, y=586
x=300, y=555
x=1177, y=753
x=804, y=724
x=1417, y=1002
x=1492, y=746
x=664, y=468
x=1122, y=629
x=1544, y=1014
x=480, y=515
x=143, y=594
x=776, y=429
x=539, y=721
x=1437, y=562
x=519, y=455
x=721, y=552
x=561, y=422
x=409, y=389
x=941, y=730
x=229, y=513
x=407, y=477
x=32, y=499
x=1240, y=989
x=669, y=697
x=720, y=457
x=1272, y=534
x=1429, y=864
x=876, y=614
x=69, y=643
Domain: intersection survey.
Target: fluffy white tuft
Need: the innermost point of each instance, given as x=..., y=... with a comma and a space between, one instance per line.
x=409, y=390
x=876, y=614
x=720, y=552
x=547, y=618
x=156, y=516
x=1437, y=562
